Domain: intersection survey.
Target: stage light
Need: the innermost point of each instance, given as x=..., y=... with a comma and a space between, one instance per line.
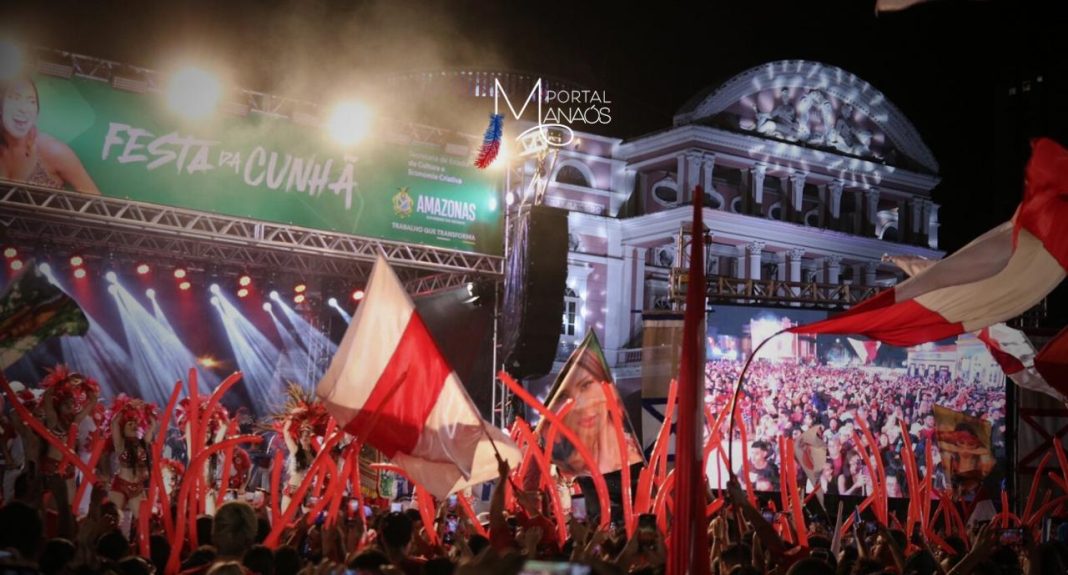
x=207, y=361
x=349, y=123
x=194, y=93
x=150, y=293
x=244, y=281
x=215, y=289
x=214, y=300
x=111, y=277
x=267, y=306
x=300, y=288
x=298, y=299
x=45, y=269
x=357, y=295
x=493, y=204
x=243, y=292
x=79, y=273
x=113, y=289
x=11, y=60
x=184, y=286
x=509, y=198
x=143, y=269
x=273, y=295
x=16, y=265
x=332, y=302
x=76, y=261
x=179, y=273
x=10, y=253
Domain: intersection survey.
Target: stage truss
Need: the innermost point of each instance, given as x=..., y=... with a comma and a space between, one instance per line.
x=49, y=219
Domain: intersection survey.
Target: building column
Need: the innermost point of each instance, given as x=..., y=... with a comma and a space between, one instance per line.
x=754, y=251
x=796, y=212
x=693, y=174
x=756, y=206
x=871, y=207
x=834, y=269
x=834, y=198
x=793, y=258
x=708, y=164
x=869, y=273
x=915, y=221
x=932, y=226
x=638, y=296
x=680, y=176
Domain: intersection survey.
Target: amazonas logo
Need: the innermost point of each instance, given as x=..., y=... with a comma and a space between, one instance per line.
x=402, y=203
x=433, y=207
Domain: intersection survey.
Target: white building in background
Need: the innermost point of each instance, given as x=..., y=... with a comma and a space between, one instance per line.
x=810, y=175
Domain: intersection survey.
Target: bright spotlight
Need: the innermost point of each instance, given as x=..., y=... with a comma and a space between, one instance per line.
x=349, y=123
x=79, y=273
x=244, y=281
x=214, y=300
x=16, y=265
x=143, y=269
x=184, y=286
x=76, y=261
x=493, y=204
x=194, y=93
x=215, y=289
x=113, y=289
x=300, y=288
x=273, y=295
x=332, y=302
x=509, y=198
x=243, y=292
x=111, y=277
x=45, y=269
x=267, y=306
x=179, y=273
x=10, y=60
x=358, y=295
x=10, y=253
x=150, y=293
x=298, y=299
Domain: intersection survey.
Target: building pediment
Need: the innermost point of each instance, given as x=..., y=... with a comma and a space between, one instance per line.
x=813, y=105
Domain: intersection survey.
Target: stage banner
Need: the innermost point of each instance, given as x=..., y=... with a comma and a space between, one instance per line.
x=84, y=135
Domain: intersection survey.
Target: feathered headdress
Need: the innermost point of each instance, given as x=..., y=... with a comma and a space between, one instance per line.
x=127, y=408
x=68, y=385
x=219, y=416
x=302, y=410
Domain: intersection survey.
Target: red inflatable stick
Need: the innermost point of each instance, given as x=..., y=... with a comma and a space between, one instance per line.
x=629, y=520
x=547, y=479
x=598, y=480
x=39, y=428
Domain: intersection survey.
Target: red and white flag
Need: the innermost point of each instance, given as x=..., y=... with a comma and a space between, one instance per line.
x=390, y=386
x=1010, y=347
x=1000, y=275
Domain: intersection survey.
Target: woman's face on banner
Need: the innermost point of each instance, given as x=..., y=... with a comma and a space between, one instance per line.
x=20, y=109
x=590, y=411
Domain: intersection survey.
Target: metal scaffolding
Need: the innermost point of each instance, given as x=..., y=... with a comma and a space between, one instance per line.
x=55, y=218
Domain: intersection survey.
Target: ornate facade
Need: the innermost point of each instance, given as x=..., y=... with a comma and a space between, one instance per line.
x=810, y=175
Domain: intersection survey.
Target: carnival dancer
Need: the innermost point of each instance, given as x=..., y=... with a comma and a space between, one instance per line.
x=133, y=425
x=68, y=398
x=302, y=418
x=216, y=432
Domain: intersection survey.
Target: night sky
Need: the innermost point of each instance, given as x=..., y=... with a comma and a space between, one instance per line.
x=948, y=65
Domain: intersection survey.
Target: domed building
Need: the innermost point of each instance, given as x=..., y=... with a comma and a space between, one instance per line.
x=810, y=176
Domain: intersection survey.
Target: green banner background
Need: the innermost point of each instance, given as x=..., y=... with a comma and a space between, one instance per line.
x=273, y=169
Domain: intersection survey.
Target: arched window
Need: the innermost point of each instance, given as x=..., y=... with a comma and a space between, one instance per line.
x=572, y=176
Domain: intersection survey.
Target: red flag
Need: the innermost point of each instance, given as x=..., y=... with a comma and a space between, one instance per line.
x=996, y=277
x=390, y=386
x=688, y=552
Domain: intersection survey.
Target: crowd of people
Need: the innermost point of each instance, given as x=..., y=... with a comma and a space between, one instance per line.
x=43, y=528
x=790, y=398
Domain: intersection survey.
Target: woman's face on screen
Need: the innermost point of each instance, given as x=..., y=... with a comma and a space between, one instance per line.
x=20, y=109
